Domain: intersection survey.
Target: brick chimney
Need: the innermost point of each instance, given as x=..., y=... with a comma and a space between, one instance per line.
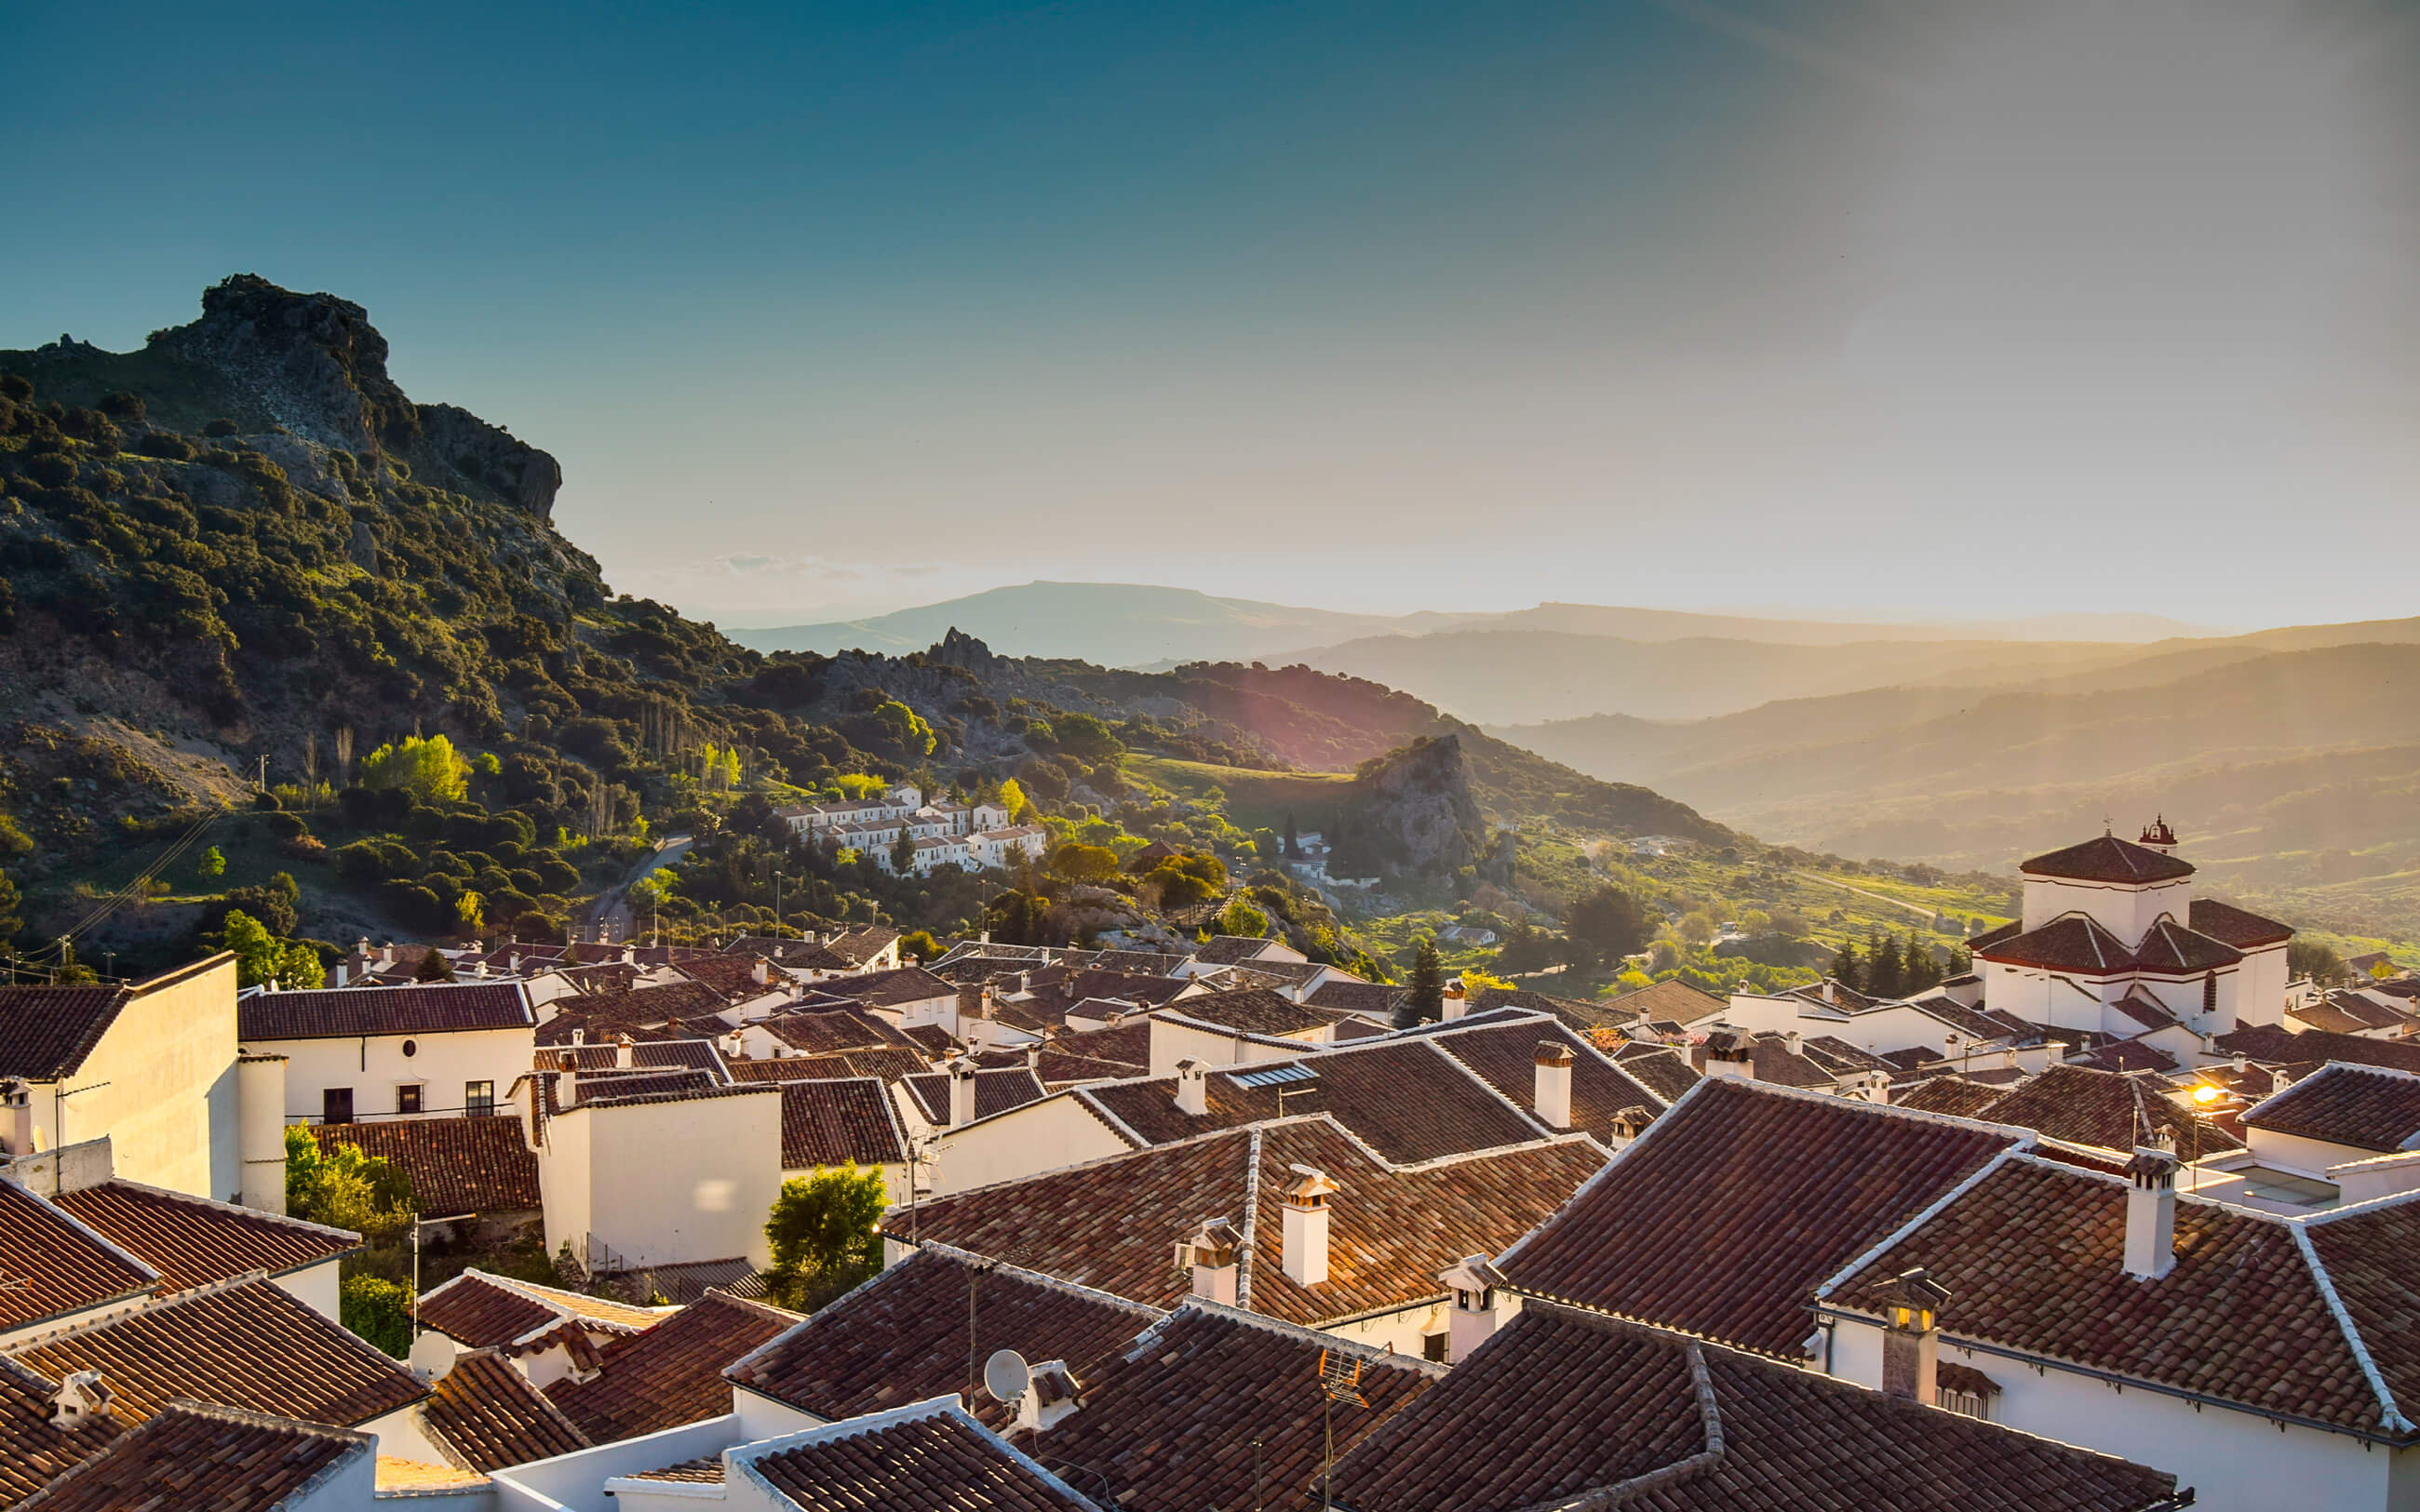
x=1480, y=1306
x=1552, y=1093
x=1192, y=1089
x=1210, y=1253
x=2151, y=1212
x=1912, y=1337
x=962, y=1091
x=1303, y=1242
x=82, y=1399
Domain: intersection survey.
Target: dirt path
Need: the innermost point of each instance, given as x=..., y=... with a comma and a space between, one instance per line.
x=1921, y=912
x=608, y=920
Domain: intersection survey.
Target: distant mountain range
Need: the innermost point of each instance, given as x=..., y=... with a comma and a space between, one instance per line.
x=1138, y=624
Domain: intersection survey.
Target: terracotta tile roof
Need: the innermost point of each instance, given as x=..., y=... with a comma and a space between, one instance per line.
x=1405, y=1097
x=2366, y=1107
x=889, y=989
x=830, y=1032
x=996, y=1092
x=1579, y=1012
x=1594, y=1411
x=1662, y=1069
x=2367, y=1254
x=1777, y=1066
x=32, y=1451
x=1953, y=1095
x=735, y=976
x=2034, y=1259
x=2088, y=1107
x=885, y=1066
x=862, y=945
x=45, y=1032
x=837, y=1121
x=937, y=1458
x=1726, y=1214
x=934, y=1041
x=248, y=1345
x=1111, y=1223
x=192, y=1242
x=705, y=1472
x=601, y=1014
x=902, y=1337
x=1371, y=999
x=685, y=1055
x=1506, y=1059
x=483, y=1311
x=2072, y=942
x=53, y=1263
x=202, y=1458
x=2238, y=927
x=345, y=1013
x=1978, y=944
x=687, y=1281
x=1232, y=950
x=2169, y=947
x=1255, y=1010
x=1160, y=1422
x=671, y=1374
x=1676, y=1000
x=2275, y=1046
x=2125, y=1056
x=2107, y=858
x=2143, y=1011
x=486, y=1411
x=456, y=1165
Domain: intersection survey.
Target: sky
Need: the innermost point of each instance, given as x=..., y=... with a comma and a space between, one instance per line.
x=1874, y=307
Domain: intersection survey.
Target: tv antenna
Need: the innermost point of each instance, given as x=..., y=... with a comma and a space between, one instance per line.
x=1340, y=1381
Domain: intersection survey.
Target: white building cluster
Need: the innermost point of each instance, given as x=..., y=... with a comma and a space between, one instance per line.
x=972, y=837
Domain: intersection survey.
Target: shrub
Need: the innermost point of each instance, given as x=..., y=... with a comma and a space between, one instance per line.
x=222, y=427
x=166, y=444
x=378, y=1310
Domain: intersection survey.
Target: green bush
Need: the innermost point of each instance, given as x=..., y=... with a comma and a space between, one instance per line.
x=166, y=444
x=379, y=1311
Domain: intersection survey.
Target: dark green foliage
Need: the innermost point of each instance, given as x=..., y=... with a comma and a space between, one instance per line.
x=821, y=1231
x=1426, y=1002
x=2317, y=961
x=378, y=1310
x=1607, y=923
x=434, y=968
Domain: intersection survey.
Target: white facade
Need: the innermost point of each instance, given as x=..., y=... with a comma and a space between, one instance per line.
x=385, y=1073
x=2237, y=1462
x=663, y=1182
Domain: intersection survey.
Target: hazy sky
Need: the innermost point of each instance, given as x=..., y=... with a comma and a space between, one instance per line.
x=1988, y=307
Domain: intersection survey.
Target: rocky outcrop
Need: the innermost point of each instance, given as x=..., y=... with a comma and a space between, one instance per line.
x=1410, y=813
x=318, y=367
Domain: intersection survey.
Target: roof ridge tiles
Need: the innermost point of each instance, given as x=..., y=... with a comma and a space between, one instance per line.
x=1917, y=1220
x=1041, y=1278
x=160, y=1304
x=1525, y=1115
x=2390, y=1416
x=1247, y=1239
x=1298, y=1333
x=236, y=1209
x=1092, y=1106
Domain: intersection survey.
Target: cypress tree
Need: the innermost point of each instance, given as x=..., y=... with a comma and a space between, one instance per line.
x=1426, y=1004
x=1846, y=968
x=1886, y=974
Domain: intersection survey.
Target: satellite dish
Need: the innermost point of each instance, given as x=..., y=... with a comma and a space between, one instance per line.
x=1007, y=1376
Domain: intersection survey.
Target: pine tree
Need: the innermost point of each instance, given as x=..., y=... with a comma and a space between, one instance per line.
x=1293, y=844
x=1919, y=971
x=1846, y=968
x=1426, y=1004
x=1886, y=974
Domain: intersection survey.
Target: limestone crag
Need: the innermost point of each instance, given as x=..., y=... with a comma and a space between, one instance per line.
x=1410, y=813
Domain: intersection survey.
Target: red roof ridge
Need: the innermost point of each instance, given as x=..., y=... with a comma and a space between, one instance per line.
x=2390, y=1416
x=235, y=1208
x=1148, y=1339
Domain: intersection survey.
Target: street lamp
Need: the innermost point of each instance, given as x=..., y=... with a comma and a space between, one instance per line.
x=2205, y=1099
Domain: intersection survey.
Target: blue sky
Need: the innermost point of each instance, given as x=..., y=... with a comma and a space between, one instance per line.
x=1862, y=307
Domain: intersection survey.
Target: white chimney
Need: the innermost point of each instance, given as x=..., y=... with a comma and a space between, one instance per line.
x=342, y=972
x=1912, y=1337
x=566, y=1085
x=1304, y=1239
x=1793, y=1042
x=962, y=1092
x=1210, y=1253
x=579, y=1036
x=2151, y=1212
x=1456, y=1002
x=1830, y=994
x=1192, y=1088
x=761, y=973
x=81, y=1399
x=17, y=1099
x=1552, y=1097
x=622, y=1051
x=1052, y=1393
x=1479, y=1305
x=1730, y=1052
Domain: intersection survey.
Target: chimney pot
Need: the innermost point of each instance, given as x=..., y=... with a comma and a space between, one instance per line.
x=2151, y=1212
x=1793, y=1041
x=1304, y=1211
x=1192, y=1089
x=1912, y=1337
x=83, y=1398
x=962, y=1091
x=1551, y=1095
x=622, y=1051
x=1210, y=1253
x=1479, y=1307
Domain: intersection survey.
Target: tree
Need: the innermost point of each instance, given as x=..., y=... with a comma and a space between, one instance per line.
x=2317, y=961
x=1292, y=838
x=1426, y=1002
x=1846, y=968
x=1606, y=923
x=1012, y=798
x=470, y=912
x=344, y=1188
x=1696, y=926
x=426, y=770
x=1885, y=973
x=822, y=1233
x=1240, y=918
x=378, y=1311
x=1084, y=863
x=433, y=967
x=1918, y=971
x=9, y=922
x=919, y=946
x=261, y=957
x=213, y=864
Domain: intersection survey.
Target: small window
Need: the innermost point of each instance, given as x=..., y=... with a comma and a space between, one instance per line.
x=2209, y=993
x=1433, y=1346
x=478, y=1099
x=336, y=1104
x=411, y=1048
x=407, y=1097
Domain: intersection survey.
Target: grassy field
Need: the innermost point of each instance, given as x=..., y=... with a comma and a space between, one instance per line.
x=1254, y=799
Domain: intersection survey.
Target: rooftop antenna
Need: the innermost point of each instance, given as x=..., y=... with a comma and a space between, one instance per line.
x=1340, y=1379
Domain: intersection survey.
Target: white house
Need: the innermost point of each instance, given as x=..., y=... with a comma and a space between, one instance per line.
x=633, y=1178
x=153, y=1066
x=425, y=1051
x=2111, y=941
